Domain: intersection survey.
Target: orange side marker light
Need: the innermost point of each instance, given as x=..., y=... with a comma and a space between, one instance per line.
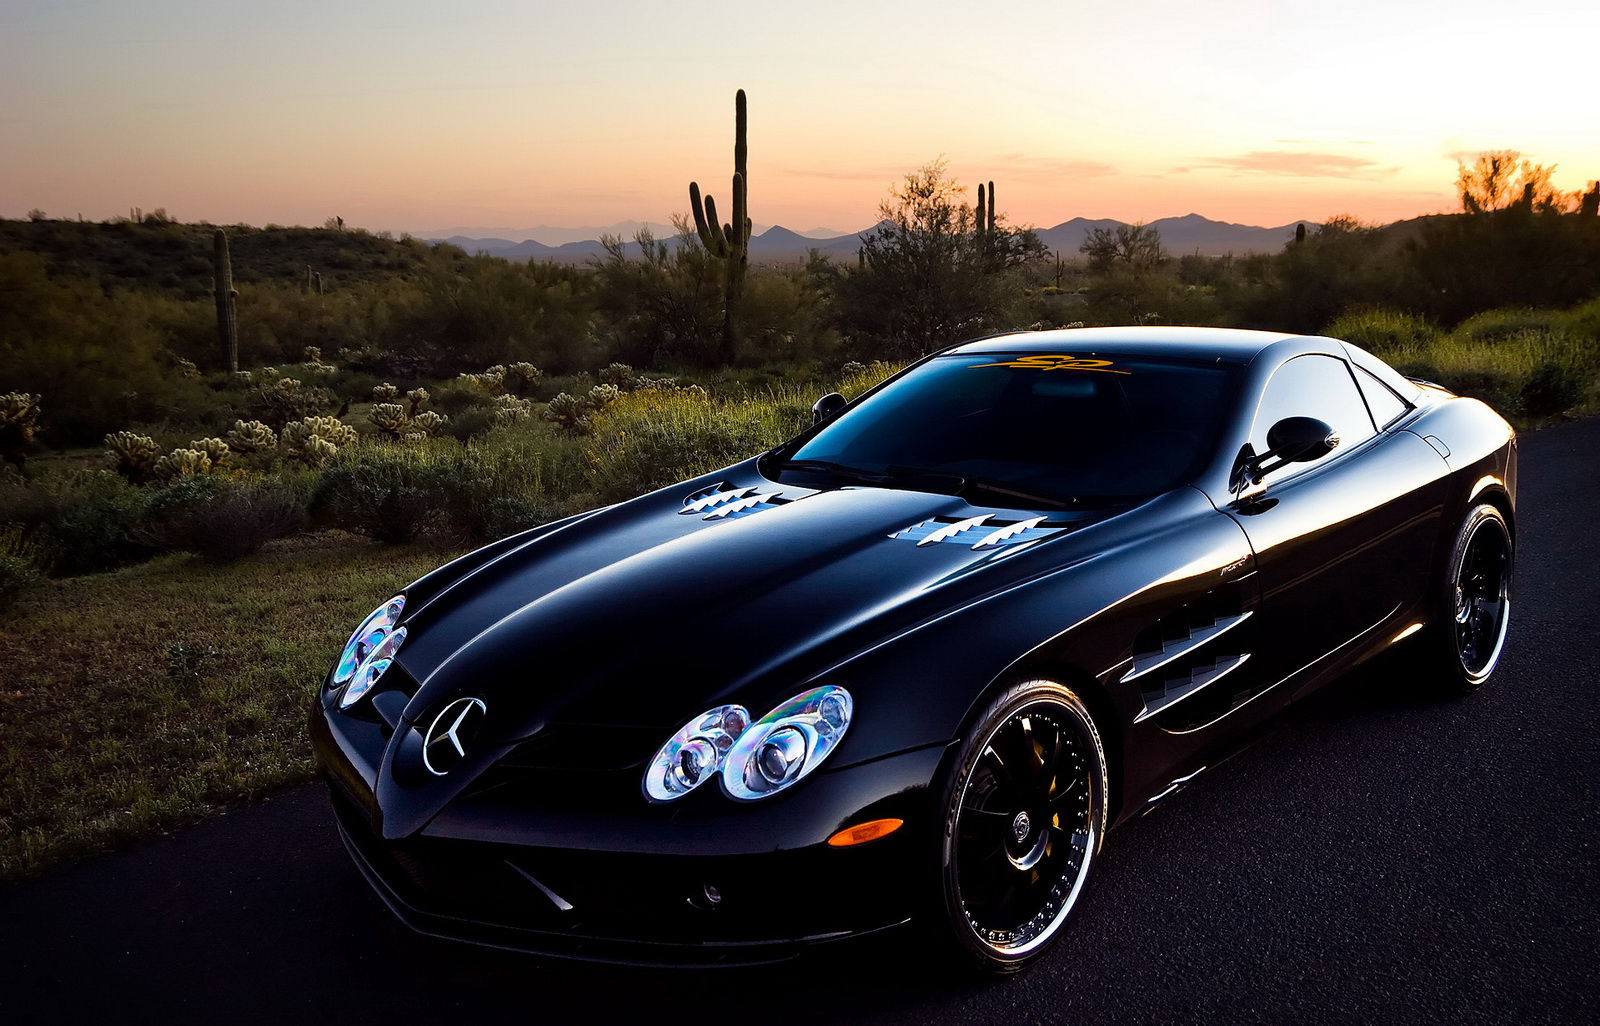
x=864, y=832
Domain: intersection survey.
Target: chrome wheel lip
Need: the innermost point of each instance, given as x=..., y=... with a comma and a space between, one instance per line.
x=1482, y=606
x=1080, y=838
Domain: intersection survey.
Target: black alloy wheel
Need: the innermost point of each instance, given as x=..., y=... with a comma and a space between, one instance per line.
x=1025, y=815
x=1478, y=596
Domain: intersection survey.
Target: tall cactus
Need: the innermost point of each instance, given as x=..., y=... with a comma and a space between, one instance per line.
x=729, y=242
x=227, y=300
x=984, y=220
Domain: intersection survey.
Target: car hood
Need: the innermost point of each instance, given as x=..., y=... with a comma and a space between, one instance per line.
x=734, y=591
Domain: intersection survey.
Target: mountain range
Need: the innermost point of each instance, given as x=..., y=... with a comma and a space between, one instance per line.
x=1191, y=233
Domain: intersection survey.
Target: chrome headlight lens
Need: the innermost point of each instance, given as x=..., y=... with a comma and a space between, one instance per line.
x=694, y=754
x=372, y=668
x=369, y=652
x=367, y=637
x=787, y=743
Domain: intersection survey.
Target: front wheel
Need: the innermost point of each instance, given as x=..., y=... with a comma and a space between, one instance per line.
x=1474, y=607
x=1025, y=812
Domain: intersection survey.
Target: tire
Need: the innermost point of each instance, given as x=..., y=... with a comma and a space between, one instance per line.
x=1474, y=602
x=1025, y=812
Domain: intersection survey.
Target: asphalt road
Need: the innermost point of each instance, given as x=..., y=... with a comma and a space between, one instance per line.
x=1379, y=857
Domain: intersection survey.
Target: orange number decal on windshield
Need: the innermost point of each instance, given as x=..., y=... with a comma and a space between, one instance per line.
x=1053, y=363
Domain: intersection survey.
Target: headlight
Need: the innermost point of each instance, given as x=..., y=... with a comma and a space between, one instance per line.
x=369, y=651
x=753, y=759
x=787, y=743
x=694, y=754
x=371, y=669
x=367, y=637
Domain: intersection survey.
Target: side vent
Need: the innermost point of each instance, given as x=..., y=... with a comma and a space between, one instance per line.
x=1182, y=662
x=724, y=502
x=981, y=533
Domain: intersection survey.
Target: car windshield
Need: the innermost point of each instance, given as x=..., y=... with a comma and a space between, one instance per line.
x=1061, y=429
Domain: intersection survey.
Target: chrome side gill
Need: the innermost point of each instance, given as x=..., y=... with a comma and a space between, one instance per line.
x=723, y=501
x=951, y=530
x=1180, y=647
x=997, y=533
x=1198, y=677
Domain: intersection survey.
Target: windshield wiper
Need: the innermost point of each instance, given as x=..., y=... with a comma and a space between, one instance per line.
x=945, y=482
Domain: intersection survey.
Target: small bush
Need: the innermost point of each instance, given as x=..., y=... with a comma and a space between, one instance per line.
x=388, y=493
x=23, y=564
x=1494, y=326
x=220, y=520
x=87, y=518
x=1551, y=391
x=1383, y=332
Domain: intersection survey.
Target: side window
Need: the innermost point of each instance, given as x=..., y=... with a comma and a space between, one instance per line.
x=1385, y=405
x=1313, y=386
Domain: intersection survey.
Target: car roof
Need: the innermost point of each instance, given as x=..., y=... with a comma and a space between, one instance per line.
x=1181, y=343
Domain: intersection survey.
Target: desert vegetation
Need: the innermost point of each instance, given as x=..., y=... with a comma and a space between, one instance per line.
x=219, y=443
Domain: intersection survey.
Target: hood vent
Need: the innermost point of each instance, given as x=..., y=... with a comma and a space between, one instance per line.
x=724, y=502
x=980, y=533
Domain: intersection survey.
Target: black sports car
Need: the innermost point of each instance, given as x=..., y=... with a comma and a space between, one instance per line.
x=914, y=663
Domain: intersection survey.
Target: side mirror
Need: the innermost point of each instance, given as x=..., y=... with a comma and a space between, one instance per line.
x=1290, y=440
x=828, y=407
x=1300, y=440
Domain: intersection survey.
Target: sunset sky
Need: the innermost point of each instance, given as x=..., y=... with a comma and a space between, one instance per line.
x=415, y=116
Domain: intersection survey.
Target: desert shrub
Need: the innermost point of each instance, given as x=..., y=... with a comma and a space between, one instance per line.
x=1550, y=391
x=86, y=518
x=388, y=493
x=1382, y=331
x=23, y=564
x=499, y=488
x=649, y=438
x=1492, y=327
x=220, y=519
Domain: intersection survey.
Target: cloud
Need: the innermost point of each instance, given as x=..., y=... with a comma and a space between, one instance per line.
x=1021, y=165
x=1293, y=164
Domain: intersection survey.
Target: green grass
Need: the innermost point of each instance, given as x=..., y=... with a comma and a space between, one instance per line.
x=137, y=700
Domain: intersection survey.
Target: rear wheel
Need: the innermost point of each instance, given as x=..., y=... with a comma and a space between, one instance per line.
x=1025, y=812
x=1474, y=607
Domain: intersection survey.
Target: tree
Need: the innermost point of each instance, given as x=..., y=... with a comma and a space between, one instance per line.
x=1504, y=180
x=1135, y=247
x=927, y=276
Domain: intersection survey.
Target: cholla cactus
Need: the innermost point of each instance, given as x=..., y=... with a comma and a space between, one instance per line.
x=418, y=398
x=281, y=400
x=428, y=422
x=313, y=440
x=311, y=354
x=19, y=415
x=852, y=367
x=216, y=449
x=490, y=383
x=244, y=377
x=510, y=409
x=663, y=384
x=389, y=418
x=251, y=436
x=384, y=393
x=187, y=369
x=179, y=462
x=316, y=451
x=522, y=378
x=269, y=374
x=573, y=414
x=620, y=375
x=133, y=455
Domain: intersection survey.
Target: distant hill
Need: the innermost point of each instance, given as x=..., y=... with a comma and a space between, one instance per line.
x=1191, y=233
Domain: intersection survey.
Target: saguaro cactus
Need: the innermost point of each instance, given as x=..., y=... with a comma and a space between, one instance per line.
x=984, y=220
x=729, y=242
x=227, y=300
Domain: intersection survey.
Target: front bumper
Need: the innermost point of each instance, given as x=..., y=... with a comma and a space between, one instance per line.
x=643, y=885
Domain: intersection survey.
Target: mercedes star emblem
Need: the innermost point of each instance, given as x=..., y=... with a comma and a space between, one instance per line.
x=445, y=744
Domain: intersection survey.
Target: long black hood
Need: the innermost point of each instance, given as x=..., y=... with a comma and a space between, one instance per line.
x=644, y=614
